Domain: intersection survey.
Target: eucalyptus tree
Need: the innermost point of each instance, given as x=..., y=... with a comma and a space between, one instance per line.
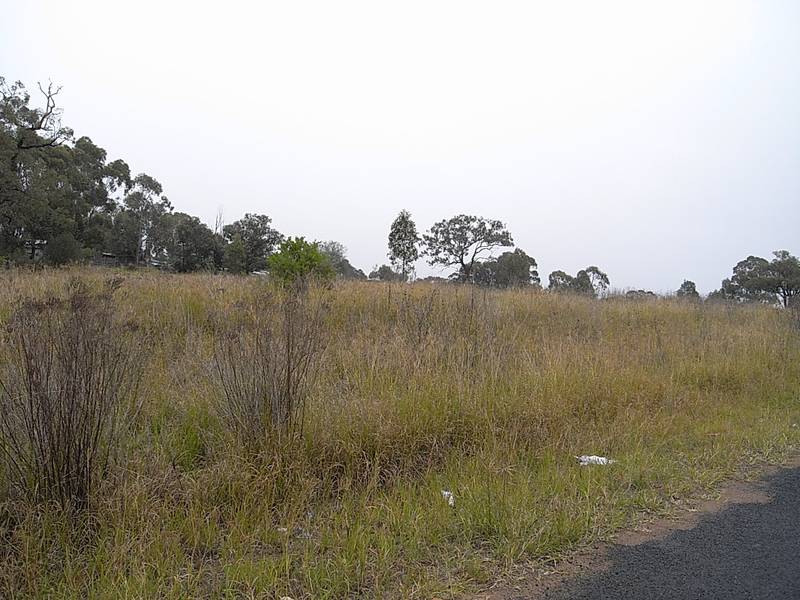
x=138, y=234
x=336, y=254
x=461, y=240
x=757, y=279
x=688, y=290
x=385, y=273
x=56, y=193
x=403, y=242
x=189, y=244
x=590, y=281
x=510, y=269
x=29, y=140
x=257, y=238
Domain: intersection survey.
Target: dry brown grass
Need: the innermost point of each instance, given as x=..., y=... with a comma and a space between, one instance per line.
x=419, y=389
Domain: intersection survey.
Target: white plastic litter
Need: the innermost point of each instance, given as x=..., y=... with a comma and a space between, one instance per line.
x=297, y=532
x=451, y=501
x=587, y=460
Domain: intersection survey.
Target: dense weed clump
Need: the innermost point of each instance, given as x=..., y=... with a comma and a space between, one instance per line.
x=297, y=443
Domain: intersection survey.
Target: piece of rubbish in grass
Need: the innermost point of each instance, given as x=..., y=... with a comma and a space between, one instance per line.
x=451, y=501
x=591, y=459
x=297, y=532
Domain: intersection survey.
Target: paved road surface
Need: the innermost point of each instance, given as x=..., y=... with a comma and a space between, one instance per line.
x=748, y=551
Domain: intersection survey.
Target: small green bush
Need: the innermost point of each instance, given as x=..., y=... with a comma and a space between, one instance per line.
x=298, y=259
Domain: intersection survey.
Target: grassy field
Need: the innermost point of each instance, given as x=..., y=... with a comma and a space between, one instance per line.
x=418, y=389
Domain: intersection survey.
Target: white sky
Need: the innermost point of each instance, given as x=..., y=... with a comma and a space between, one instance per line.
x=659, y=141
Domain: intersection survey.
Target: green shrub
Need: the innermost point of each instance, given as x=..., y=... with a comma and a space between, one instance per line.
x=298, y=259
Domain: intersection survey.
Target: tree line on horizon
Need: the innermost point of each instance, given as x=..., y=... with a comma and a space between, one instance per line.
x=62, y=201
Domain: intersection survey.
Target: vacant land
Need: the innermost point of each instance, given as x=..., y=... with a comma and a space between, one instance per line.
x=416, y=389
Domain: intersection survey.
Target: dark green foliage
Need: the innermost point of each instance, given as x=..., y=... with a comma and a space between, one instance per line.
x=728, y=292
x=189, y=245
x=31, y=184
x=298, y=259
x=590, y=281
x=336, y=254
x=235, y=259
x=139, y=233
x=756, y=279
x=258, y=240
x=688, y=290
x=50, y=189
x=779, y=277
x=65, y=194
x=62, y=200
x=510, y=269
x=124, y=240
x=63, y=249
x=559, y=281
x=459, y=241
x=582, y=284
x=640, y=295
x=403, y=241
x=597, y=278
x=386, y=273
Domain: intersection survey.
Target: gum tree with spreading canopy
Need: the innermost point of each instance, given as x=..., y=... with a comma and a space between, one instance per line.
x=461, y=240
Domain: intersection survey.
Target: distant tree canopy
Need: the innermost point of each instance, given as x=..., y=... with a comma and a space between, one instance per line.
x=757, y=279
x=188, y=244
x=62, y=249
x=688, y=290
x=640, y=294
x=256, y=240
x=138, y=234
x=590, y=281
x=234, y=258
x=403, y=241
x=510, y=269
x=337, y=256
x=461, y=240
x=44, y=193
x=62, y=200
x=385, y=273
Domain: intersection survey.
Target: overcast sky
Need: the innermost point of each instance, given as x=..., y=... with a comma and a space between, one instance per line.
x=659, y=141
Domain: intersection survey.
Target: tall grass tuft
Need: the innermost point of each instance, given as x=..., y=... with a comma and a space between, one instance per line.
x=67, y=391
